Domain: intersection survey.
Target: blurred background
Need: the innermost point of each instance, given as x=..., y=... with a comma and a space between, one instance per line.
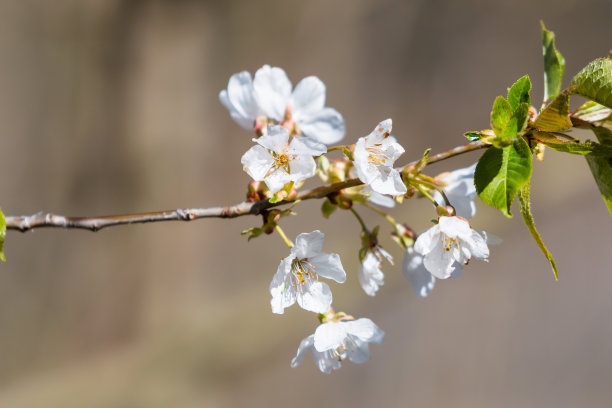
x=110, y=106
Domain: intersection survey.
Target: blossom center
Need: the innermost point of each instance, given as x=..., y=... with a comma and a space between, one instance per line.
x=303, y=274
x=377, y=156
x=281, y=161
x=449, y=243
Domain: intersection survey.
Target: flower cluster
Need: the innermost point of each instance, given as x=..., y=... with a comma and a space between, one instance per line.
x=292, y=128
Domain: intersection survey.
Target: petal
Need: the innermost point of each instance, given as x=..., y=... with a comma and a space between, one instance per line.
x=478, y=246
x=301, y=145
x=329, y=266
x=454, y=227
x=272, y=90
x=315, y=297
x=380, y=200
x=239, y=99
x=358, y=351
x=389, y=183
x=326, y=126
x=365, y=329
x=308, y=97
x=283, y=294
x=302, y=168
x=439, y=262
x=257, y=161
x=329, y=336
x=420, y=279
x=275, y=140
x=277, y=180
x=371, y=277
x=325, y=361
x=308, y=245
x=380, y=132
x=426, y=241
x=305, y=345
x=392, y=150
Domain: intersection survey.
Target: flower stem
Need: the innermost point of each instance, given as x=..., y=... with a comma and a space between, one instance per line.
x=383, y=214
x=426, y=194
x=347, y=152
x=363, y=227
x=283, y=236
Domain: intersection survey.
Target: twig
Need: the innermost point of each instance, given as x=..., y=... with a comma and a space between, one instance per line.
x=27, y=222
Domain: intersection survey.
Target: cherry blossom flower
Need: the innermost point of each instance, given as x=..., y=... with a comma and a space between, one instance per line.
x=269, y=94
x=460, y=191
x=277, y=161
x=297, y=277
x=374, y=157
x=449, y=245
x=371, y=276
x=421, y=280
x=333, y=342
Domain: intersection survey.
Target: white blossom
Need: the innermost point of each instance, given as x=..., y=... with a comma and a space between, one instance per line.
x=270, y=95
x=449, y=245
x=378, y=199
x=421, y=280
x=333, y=342
x=371, y=276
x=460, y=191
x=277, y=161
x=374, y=157
x=297, y=277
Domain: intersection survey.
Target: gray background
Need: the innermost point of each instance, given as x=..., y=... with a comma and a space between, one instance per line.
x=110, y=106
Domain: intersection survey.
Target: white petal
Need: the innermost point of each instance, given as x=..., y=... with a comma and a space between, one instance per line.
x=380, y=200
x=426, y=241
x=329, y=336
x=308, y=97
x=439, y=262
x=316, y=297
x=308, y=245
x=454, y=227
x=392, y=150
x=389, y=183
x=283, y=294
x=276, y=139
x=325, y=361
x=277, y=180
x=239, y=99
x=365, y=329
x=305, y=345
x=420, y=279
x=272, y=91
x=302, y=167
x=371, y=277
x=358, y=351
x=326, y=126
x=478, y=246
x=380, y=132
x=301, y=145
x=257, y=161
x=329, y=266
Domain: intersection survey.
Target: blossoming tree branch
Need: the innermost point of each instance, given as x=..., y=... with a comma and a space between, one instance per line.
x=293, y=136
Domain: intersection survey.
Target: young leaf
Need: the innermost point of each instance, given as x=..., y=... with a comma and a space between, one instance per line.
x=592, y=112
x=327, y=208
x=573, y=147
x=595, y=82
x=601, y=167
x=555, y=117
x=472, y=136
x=500, y=116
x=528, y=218
x=2, y=235
x=501, y=173
x=519, y=93
x=554, y=64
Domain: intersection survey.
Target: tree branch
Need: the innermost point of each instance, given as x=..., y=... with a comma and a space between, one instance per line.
x=39, y=220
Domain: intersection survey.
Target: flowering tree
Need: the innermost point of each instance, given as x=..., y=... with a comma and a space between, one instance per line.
x=295, y=137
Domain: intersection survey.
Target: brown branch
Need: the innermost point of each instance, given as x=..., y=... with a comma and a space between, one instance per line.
x=28, y=222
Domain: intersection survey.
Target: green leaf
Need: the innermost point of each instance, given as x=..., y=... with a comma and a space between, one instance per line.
x=327, y=208
x=601, y=167
x=500, y=116
x=528, y=218
x=472, y=136
x=592, y=112
x=519, y=93
x=595, y=82
x=501, y=173
x=2, y=235
x=555, y=117
x=554, y=64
